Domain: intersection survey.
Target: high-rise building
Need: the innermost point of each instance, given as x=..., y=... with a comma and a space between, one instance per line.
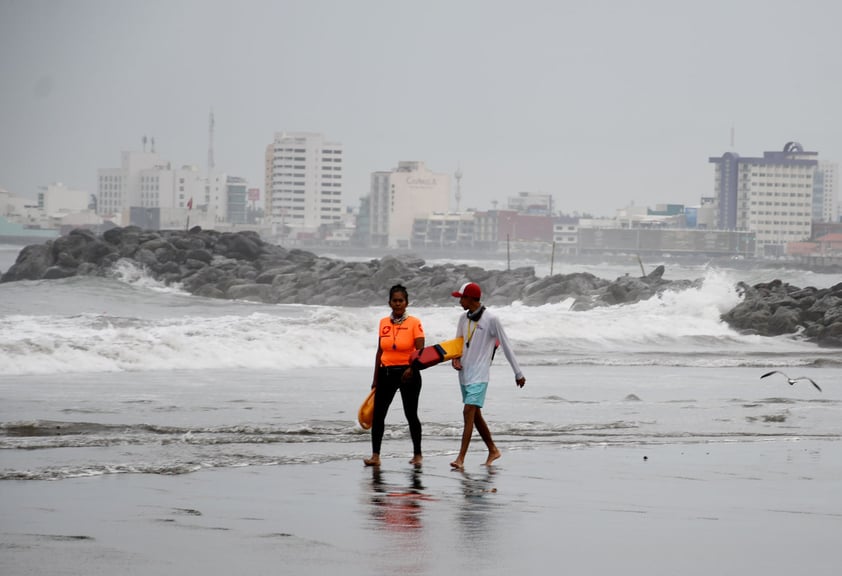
x=303, y=181
x=398, y=197
x=771, y=196
x=825, y=192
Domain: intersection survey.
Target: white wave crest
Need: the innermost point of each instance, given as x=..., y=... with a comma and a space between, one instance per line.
x=135, y=274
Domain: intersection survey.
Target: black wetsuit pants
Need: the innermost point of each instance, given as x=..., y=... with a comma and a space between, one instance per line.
x=388, y=383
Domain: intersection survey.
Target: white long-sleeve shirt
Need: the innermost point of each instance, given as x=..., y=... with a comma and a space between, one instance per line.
x=479, y=341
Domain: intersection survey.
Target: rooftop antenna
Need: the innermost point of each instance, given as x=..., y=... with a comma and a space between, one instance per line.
x=144, y=142
x=733, y=130
x=458, y=176
x=152, y=144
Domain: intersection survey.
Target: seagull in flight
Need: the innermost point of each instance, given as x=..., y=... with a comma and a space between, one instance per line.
x=793, y=380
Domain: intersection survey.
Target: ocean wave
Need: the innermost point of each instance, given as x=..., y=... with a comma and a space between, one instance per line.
x=102, y=325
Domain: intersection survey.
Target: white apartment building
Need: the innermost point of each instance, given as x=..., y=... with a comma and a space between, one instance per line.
x=304, y=181
x=146, y=181
x=771, y=196
x=826, y=192
x=120, y=188
x=398, y=197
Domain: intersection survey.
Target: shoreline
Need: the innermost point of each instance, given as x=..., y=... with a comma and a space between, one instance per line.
x=541, y=253
x=742, y=264
x=659, y=509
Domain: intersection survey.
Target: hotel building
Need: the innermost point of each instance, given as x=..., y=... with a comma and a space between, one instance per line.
x=303, y=182
x=398, y=197
x=771, y=196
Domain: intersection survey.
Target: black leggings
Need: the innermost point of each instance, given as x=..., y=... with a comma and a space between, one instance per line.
x=388, y=383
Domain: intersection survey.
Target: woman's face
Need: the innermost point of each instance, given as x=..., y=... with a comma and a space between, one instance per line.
x=398, y=303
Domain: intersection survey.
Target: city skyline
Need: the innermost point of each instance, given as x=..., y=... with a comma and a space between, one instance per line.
x=599, y=105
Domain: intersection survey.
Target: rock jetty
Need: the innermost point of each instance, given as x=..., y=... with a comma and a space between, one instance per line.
x=241, y=266
x=776, y=308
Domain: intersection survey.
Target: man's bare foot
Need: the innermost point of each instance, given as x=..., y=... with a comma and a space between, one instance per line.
x=373, y=461
x=492, y=456
x=457, y=464
x=416, y=460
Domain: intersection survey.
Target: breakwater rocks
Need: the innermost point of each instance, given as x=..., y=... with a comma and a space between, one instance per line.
x=242, y=266
x=776, y=308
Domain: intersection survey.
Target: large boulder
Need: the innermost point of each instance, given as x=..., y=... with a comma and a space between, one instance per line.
x=776, y=308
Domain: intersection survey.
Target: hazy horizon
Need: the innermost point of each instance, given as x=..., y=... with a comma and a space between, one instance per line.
x=599, y=104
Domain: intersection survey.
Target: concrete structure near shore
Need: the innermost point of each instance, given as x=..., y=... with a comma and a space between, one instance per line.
x=659, y=241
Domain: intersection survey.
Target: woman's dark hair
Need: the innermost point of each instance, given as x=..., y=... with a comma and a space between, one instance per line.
x=399, y=288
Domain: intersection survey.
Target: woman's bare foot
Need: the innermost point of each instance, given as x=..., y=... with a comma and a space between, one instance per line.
x=373, y=461
x=457, y=464
x=492, y=456
x=416, y=460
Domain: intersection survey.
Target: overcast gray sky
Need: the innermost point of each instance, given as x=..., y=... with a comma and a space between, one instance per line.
x=599, y=103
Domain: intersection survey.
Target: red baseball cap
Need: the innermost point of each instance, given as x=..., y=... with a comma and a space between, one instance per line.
x=469, y=289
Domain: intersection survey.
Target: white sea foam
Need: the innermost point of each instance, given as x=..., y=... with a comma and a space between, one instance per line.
x=128, y=329
x=132, y=273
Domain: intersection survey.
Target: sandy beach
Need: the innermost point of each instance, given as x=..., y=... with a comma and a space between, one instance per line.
x=761, y=507
x=146, y=432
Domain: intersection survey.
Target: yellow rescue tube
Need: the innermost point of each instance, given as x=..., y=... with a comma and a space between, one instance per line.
x=436, y=354
x=365, y=415
x=452, y=348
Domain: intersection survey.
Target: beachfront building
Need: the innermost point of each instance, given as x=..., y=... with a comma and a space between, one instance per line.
x=443, y=230
x=531, y=203
x=501, y=229
x=771, y=196
x=662, y=216
x=147, y=191
x=120, y=188
x=702, y=216
x=57, y=208
x=400, y=196
x=566, y=235
x=825, y=192
x=235, y=204
x=303, y=183
x=57, y=200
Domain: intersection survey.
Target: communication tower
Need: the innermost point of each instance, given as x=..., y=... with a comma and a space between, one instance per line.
x=210, y=143
x=458, y=176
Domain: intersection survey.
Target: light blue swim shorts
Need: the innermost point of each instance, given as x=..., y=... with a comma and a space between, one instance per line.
x=474, y=394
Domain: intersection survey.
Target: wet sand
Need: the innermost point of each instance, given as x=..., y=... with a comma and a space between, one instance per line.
x=764, y=507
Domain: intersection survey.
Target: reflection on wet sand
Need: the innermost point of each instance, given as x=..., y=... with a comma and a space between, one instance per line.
x=398, y=507
x=476, y=510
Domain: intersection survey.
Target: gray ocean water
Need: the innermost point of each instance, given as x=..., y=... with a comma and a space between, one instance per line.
x=123, y=375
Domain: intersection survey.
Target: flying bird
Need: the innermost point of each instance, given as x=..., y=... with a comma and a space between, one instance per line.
x=793, y=380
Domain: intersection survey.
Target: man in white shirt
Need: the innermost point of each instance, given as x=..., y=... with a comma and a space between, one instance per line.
x=482, y=333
